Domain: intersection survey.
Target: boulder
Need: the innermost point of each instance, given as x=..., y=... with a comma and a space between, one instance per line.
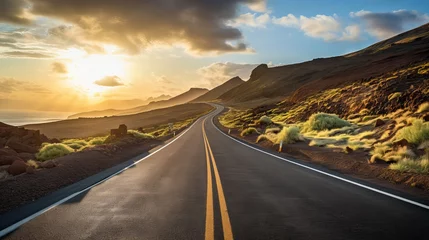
x=20, y=147
x=30, y=170
x=8, y=152
x=8, y=160
x=26, y=156
x=348, y=150
x=2, y=142
x=379, y=123
x=48, y=164
x=123, y=129
x=17, y=168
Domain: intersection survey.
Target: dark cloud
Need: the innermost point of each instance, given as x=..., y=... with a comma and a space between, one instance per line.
x=385, y=25
x=109, y=81
x=13, y=11
x=26, y=54
x=133, y=25
x=59, y=67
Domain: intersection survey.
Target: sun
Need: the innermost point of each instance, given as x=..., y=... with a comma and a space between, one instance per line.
x=84, y=70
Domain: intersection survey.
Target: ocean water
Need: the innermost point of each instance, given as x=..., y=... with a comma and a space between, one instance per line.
x=20, y=117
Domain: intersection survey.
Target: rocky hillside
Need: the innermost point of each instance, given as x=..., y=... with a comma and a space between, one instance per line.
x=219, y=90
x=298, y=81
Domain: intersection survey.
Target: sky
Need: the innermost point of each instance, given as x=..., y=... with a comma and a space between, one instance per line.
x=66, y=55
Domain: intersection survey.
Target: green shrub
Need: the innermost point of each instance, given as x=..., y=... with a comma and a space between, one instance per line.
x=248, y=131
x=54, y=150
x=424, y=107
x=289, y=135
x=265, y=120
x=370, y=117
x=97, y=141
x=76, y=144
x=410, y=165
x=416, y=133
x=324, y=121
x=138, y=134
x=394, y=95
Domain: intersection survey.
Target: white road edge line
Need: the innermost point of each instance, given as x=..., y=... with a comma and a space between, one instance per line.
x=34, y=215
x=328, y=174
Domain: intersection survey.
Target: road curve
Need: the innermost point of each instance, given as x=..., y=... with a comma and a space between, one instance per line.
x=207, y=186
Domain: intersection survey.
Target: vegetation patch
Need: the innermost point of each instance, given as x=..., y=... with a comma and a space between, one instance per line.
x=140, y=135
x=417, y=133
x=394, y=95
x=249, y=131
x=289, y=135
x=324, y=121
x=54, y=150
x=424, y=107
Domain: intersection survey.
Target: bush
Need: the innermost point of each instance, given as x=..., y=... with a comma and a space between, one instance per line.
x=54, y=150
x=324, y=121
x=97, y=141
x=138, y=134
x=424, y=107
x=289, y=135
x=394, y=95
x=265, y=120
x=409, y=165
x=248, y=131
x=416, y=133
x=76, y=144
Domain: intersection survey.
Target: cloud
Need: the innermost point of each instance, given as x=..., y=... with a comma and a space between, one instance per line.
x=14, y=11
x=25, y=54
x=10, y=85
x=161, y=79
x=199, y=26
x=388, y=24
x=324, y=27
x=59, y=67
x=220, y=72
x=251, y=20
x=109, y=81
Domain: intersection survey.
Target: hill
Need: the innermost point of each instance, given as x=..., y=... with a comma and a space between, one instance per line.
x=84, y=127
x=298, y=81
x=127, y=103
x=219, y=90
x=185, y=97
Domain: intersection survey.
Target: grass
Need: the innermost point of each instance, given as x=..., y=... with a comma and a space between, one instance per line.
x=410, y=165
x=248, y=131
x=424, y=107
x=265, y=120
x=417, y=133
x=364, y=111
x=394, y=95
x=76, y=144
x=324, y=121
x=97, y=141
x=289, y=135
x=33, y=164
x=273, y=130
x=138, y=134
x=272, y=137
x=54, y=150
x=370, y=117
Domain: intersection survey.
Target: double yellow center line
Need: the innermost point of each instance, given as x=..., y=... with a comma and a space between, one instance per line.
x=226, y=223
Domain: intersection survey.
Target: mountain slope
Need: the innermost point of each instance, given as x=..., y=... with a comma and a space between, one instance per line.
x=219, y=90
x=180, y=99
x=127, y=103
x=297, y=81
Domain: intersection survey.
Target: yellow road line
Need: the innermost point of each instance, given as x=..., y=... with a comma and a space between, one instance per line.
x=209, y=233
x=226, y=223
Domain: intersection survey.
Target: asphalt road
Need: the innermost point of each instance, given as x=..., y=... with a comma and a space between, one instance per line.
x=207, y=186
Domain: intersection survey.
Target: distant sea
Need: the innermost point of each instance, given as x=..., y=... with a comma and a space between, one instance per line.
x=20, y=117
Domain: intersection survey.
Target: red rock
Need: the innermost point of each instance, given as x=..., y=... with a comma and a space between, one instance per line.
x=19, y=147
x=30, y=170
x=17, y=168
x=48, y=164
x=26, y=156
x=379, y=123
x=8, y=160
x=8, y=152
